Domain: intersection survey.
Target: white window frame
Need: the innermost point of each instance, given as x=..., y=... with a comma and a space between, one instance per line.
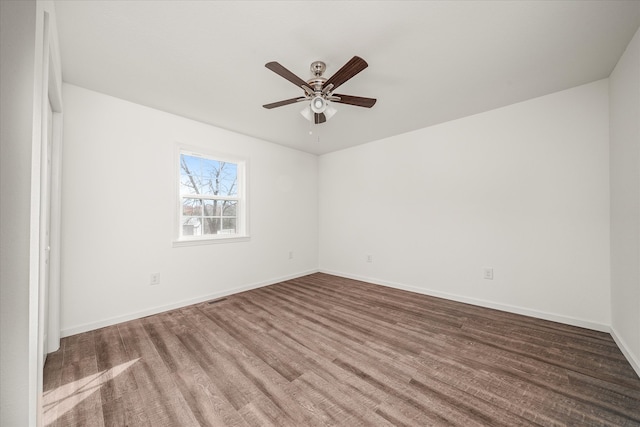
x=242, y=216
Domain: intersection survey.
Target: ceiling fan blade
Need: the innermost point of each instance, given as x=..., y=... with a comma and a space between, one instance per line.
x=283, y=72
x=285, y=102
x=348, y=70
x=355, y=100
x=320, y=118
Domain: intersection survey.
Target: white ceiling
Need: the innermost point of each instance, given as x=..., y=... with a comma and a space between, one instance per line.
x=429, y=61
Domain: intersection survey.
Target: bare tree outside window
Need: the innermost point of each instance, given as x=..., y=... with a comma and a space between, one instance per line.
x=209, y=195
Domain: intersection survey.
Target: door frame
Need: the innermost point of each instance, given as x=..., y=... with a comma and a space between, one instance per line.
x=47, y=88
x=54, y=96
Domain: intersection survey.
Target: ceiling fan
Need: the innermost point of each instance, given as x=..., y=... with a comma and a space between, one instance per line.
x=319, y=90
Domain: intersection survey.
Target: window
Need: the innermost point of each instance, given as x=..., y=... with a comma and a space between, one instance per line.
x=212, y=199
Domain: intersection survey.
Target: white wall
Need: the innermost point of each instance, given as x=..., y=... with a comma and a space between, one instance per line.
x=17, y=25
x=624, y=86
x=118, y=212
x=523, y=189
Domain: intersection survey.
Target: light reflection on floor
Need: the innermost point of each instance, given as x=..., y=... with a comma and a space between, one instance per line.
x=61, y=400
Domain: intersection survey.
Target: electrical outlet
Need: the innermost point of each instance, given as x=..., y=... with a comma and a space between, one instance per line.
x=155, y=279
x=487, y=273
x=369, y=258
x=290, y=254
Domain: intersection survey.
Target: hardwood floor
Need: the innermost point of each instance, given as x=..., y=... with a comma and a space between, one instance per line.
x=324, y=350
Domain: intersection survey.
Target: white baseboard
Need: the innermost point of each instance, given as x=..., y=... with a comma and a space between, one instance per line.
x=633, y=360
x=567, y=320
x=160, y=309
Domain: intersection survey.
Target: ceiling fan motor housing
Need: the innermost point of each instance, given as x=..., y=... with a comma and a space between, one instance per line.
x=317, y=81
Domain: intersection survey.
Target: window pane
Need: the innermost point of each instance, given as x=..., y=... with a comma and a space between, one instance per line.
x=212, y=207
x=190, y=184
x=211, y=225
x=228, y=179
x=207, y=186
x=228, y=226
x=219, y=178
x=191, y=207
x=211, y=167
x=207, y=176
x=190, y=174
x=191, y=226
x=208, y=207
x=190, y=165
x=229, y=208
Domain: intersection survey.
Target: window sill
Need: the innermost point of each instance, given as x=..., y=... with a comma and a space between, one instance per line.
x=209, y=241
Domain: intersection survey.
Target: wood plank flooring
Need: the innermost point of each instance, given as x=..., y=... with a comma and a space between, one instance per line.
x=322, y=350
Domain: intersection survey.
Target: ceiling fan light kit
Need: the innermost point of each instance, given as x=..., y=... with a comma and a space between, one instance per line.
x=308, y=113
x=318, y=104
x=318, y=90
